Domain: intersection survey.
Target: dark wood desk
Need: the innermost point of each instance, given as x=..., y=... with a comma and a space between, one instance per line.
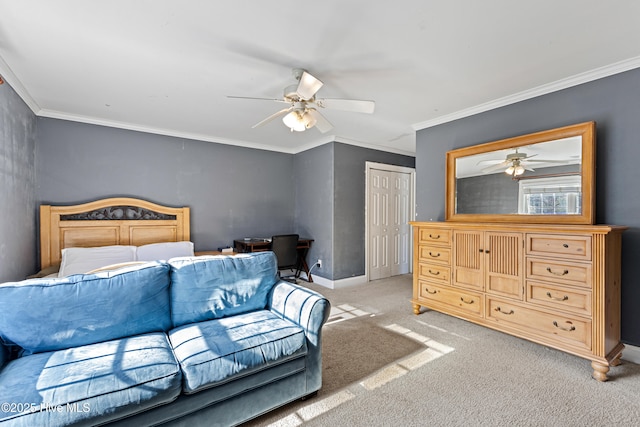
x=259, y=245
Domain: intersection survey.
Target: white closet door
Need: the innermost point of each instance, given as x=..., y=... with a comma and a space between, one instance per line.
x=389, y=230
x=379, y=266
x=400, y=229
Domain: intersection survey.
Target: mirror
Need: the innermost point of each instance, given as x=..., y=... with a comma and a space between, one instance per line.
x=544, y=177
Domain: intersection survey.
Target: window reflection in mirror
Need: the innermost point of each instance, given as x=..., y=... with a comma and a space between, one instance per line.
x=550, y=196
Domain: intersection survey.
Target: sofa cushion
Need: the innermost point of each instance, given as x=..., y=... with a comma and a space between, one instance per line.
x=99, y=382
x=211, y=287
x=52, y=314
x=220, y=350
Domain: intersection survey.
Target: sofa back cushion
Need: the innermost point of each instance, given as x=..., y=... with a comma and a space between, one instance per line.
x=52, y=314
x=211, y=287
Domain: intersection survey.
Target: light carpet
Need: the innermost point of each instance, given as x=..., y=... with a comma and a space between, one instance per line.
x=385, y=366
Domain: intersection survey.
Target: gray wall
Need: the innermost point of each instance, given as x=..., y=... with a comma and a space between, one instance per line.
x=314, y=209
x=17, y=187
x=233, y=192
x=494, y=193
x=614, y=103
x=330, y=204
x=349, y=199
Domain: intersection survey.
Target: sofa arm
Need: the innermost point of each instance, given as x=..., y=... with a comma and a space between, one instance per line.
x=310, y=310
x=302, y=306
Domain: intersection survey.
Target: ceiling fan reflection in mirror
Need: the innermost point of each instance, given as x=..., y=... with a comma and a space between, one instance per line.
x=302, y=112
x=515, y=164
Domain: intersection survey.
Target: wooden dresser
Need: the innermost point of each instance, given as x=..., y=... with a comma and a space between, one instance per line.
x=556, y=285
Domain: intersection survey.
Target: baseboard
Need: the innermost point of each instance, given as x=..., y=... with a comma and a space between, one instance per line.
x=631, y=354
x=337, y=284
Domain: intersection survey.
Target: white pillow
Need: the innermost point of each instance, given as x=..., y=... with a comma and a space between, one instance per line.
x=164, y=251
x=83, y=260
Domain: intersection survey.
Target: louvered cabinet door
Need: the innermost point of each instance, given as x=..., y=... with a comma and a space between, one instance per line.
x=468, y=259
x=503, y=254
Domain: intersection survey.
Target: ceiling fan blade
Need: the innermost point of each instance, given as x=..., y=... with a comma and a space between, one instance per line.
x=260, y=99
x=494, y=168
x=544, y=161
x=273, y=116
x=354, y=105
x=495, y=162
x=308, y=86
x=322, y=123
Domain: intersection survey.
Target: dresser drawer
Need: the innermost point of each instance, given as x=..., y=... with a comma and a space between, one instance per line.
x=437, y=236
x=559, y=272
x=434, y=272
x=560, y=297
x=555, y=328
x=439, y=255
x=467, y=302
x=559, y=246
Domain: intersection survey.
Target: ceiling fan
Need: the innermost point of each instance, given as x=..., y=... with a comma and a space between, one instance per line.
x=515, y=163
x=302, y=112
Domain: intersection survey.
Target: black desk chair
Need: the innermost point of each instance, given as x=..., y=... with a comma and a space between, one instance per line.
x=285, y=246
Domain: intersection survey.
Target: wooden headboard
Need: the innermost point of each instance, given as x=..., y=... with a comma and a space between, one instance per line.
x=114, y=221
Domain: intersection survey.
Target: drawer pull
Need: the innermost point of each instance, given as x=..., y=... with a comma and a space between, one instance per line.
x=564, y=298
x=564, y=245
x=564, y=273
x=499, y=310
x=431, y=236
x=429, y=292
x=434, y=273
x=434, y=255
x=466, y=302
x=572, y=328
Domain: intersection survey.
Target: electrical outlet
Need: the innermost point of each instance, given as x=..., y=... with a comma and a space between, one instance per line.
x=319, y=263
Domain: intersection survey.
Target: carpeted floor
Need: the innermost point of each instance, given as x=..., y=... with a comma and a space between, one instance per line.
x=385, y=366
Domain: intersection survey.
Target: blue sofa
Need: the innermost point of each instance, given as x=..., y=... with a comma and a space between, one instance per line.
x=192, y=341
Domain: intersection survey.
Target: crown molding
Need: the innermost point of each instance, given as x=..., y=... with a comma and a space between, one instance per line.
x=12, y=80
x=53, y=114
x=588, y=76
x=598, y=73
x=374, y=147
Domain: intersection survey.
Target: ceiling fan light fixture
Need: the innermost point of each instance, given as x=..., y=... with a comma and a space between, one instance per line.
x=299, y=121
x=308, y=120
x=516, y=169
x=294, y=121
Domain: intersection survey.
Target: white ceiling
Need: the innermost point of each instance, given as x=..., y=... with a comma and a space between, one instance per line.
x=167, y=66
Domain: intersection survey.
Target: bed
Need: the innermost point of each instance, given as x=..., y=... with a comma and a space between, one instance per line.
x=120, y=221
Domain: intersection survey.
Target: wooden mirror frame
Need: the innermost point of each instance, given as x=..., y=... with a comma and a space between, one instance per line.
x=586, y=130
